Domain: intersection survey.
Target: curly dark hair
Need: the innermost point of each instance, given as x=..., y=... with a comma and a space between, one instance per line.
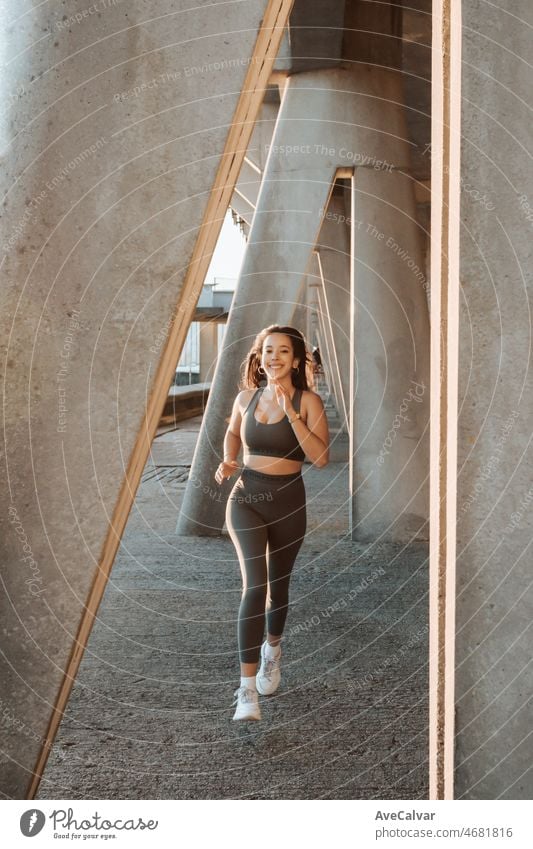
x=251, y=376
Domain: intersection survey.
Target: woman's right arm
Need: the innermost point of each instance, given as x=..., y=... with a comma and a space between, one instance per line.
x=232, y=443
x=232, y=446
x=232, y=439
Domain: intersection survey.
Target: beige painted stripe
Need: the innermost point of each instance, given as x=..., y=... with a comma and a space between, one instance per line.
x=445, y=212
x=257, y=79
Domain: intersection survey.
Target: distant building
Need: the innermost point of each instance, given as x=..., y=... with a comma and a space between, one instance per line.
x=206, y=332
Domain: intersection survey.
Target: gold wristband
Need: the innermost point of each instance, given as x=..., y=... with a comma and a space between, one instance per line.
x=297, y=416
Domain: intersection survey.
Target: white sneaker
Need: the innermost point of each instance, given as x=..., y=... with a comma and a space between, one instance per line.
x=247, y=704
x=269, y=675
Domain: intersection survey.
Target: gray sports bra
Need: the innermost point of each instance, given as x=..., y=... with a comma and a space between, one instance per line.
x=277, y=439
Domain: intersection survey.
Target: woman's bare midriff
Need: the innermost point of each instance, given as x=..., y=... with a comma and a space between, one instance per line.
x=271, y=465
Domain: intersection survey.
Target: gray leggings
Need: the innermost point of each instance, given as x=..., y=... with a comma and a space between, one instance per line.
x=266, y=519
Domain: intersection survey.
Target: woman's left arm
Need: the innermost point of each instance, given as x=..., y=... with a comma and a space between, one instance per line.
x=313, y=436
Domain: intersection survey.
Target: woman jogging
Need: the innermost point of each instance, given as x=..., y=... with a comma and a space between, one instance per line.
x=277, y=425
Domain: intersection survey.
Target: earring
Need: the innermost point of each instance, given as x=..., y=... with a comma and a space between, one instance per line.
x=296, y=369
x=261, y=370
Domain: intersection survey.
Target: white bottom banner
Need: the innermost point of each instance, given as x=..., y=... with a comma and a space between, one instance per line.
x=199, y=823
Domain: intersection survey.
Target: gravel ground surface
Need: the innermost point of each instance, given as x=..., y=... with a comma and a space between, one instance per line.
x=150, y=716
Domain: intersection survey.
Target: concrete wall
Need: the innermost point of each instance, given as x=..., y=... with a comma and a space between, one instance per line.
x=117, y=122
x=495, y=496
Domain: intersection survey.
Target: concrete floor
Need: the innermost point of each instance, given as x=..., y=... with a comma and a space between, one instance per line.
x=150, y=714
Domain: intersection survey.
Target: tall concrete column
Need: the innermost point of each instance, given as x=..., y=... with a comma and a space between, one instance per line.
x=390, y=337
x=390, y=325
x=327, y=349
x=493, y=603
x=299, y=314
x=295, y=187
x=334, y=250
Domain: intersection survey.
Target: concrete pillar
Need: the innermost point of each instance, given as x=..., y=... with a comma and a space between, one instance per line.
x=295, y=187
x=327, y=349
x=116, y=136
x=299, y=313
x=334, y=251
x=390, y=336
x=493, y=605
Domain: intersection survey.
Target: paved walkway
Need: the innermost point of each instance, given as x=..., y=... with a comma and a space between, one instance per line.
x=150, y=713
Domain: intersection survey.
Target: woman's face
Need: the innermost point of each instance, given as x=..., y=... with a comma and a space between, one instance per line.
x=277, y=356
